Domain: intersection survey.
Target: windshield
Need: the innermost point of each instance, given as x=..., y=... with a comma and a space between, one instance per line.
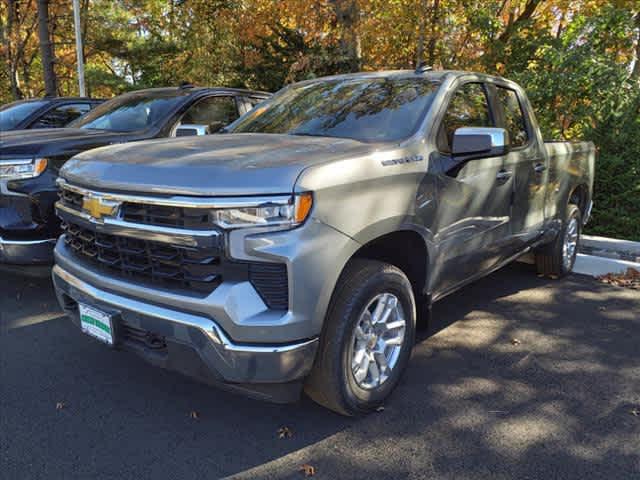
x=130, y=112
x=365, y=109
x=14, y=113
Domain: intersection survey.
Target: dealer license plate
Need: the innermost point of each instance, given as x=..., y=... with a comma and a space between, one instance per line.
x=96, y=323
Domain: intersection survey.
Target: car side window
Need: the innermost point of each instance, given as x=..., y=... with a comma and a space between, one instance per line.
x=61, y=116
x=248, y=103
x=254, y=101
x=469, y=107
x=513, y=116
x=216, y=112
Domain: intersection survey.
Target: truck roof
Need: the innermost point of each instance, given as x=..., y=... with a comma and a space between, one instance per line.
x=436, y=75
x=194, y=89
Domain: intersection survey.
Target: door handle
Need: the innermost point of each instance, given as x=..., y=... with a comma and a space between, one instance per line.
x=503, y=175
x=540, y=167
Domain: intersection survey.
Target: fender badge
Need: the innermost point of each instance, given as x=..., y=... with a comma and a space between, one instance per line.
x=400, y=161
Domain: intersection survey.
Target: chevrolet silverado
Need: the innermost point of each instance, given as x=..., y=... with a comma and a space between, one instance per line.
x=297, y=250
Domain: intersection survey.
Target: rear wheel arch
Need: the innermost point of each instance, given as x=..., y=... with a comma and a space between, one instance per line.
x=580, y=197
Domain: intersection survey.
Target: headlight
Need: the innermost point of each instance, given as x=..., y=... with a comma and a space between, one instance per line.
x=279, y=211
x=18, y=168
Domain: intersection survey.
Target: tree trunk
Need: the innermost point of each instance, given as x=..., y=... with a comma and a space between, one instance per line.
x=635, y=73
x=434, y=25
x=513, y=25
x=347, y=13
x=8, y=36
x=46, y=49
x=422, y=27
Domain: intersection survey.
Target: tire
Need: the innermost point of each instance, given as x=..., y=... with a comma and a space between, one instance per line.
x=363, y=286
x=550, y=259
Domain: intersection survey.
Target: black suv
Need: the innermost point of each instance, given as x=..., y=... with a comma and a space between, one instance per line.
x=30, y=160
x=44, y=112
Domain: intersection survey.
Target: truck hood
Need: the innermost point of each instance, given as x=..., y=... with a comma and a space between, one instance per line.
x=52, y=141
x=216, y=165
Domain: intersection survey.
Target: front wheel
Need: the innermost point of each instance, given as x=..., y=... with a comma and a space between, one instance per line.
x=558, y=258
x=367, y=339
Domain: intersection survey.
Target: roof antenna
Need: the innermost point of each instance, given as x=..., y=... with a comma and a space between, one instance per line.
x=423, y=67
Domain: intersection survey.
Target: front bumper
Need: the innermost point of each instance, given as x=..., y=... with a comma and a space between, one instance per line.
x=28, y=224
x=193, y=345
x=27, y=252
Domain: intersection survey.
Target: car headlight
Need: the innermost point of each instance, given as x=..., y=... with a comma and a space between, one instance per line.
x=286, y=212
x=19, y=168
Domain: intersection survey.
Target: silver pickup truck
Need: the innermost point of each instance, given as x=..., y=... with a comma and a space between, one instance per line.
x=299, y=248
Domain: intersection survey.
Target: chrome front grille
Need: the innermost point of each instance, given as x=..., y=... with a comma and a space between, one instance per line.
x=71, y=199
x=193, y=269
x=167, y=242
x=167, y=216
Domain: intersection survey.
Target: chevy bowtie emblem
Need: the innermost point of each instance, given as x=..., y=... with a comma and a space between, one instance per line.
x=98, y=207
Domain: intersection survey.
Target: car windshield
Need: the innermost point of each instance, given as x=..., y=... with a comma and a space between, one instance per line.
x=14, y=113
x=131, y=112
x=365, y=109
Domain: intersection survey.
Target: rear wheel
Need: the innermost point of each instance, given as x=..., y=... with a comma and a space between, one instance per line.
x=558, y=257
x=367, y=339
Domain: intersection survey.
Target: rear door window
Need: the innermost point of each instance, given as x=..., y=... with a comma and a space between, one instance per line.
x=514, y=121
x=248, y=103
x=469, y=107
x=216, y=112
x=62, y=115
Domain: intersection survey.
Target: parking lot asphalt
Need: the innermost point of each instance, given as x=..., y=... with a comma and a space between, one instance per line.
x=517, y=377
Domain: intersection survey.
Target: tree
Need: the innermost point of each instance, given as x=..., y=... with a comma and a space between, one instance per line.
x=46, y=49
x=347, y=13
x=635, y=73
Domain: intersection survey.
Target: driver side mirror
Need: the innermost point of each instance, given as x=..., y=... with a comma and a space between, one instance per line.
x=479, y=142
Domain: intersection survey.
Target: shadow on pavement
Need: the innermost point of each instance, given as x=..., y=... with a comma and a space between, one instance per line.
x=516, y=377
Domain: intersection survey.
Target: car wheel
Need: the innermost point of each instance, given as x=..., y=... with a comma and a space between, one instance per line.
x=367, y=339
x=558, y=258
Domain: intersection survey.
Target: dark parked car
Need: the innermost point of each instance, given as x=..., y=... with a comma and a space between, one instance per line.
x=30, y=160
x=44, y=112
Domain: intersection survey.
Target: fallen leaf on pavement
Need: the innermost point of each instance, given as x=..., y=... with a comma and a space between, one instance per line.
x=628, y=279
x=60, y=405
x=195, y=415
x=515, y=341
x=380, y=408
x=284, y=432
x=635, y=412
x=308, y=470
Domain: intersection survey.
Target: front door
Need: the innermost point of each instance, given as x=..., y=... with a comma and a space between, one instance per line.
x=473, y=213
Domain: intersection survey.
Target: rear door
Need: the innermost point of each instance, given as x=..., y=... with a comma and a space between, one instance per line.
x=474, y=198
x=529, y=164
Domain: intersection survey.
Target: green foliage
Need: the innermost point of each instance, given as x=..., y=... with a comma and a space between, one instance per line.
x=574, y=57
x=617, y=188
x=581, y=89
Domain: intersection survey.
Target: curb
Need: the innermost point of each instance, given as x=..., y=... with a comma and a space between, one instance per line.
x=626, y=250
x=596, y=266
